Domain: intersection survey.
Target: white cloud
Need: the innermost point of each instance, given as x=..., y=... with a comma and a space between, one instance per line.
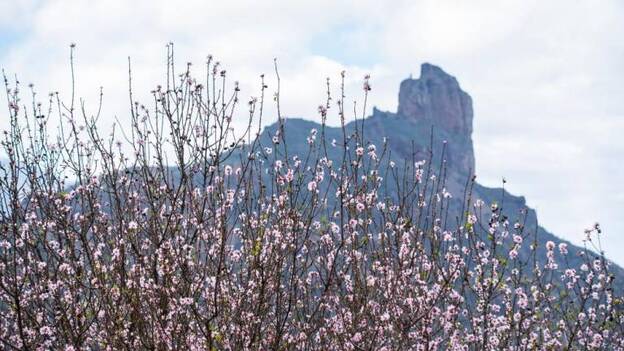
x=544, y=76
x=14, y=14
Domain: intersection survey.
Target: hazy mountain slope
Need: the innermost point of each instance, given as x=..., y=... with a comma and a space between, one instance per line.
x=435, y=100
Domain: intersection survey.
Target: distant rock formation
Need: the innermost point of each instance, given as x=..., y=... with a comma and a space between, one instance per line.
x=436, y=99
x=432, y=110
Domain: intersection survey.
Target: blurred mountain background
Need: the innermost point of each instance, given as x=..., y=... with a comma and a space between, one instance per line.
x=433, y=110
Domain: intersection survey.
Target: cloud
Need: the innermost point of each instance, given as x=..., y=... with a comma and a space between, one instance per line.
x=544, y=76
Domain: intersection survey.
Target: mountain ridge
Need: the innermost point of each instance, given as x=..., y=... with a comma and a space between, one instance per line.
x=434, y=115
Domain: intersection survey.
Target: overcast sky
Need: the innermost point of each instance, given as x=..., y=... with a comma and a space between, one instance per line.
x=545, y=76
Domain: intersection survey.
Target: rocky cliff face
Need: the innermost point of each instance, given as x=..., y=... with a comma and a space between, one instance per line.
x=436, y=99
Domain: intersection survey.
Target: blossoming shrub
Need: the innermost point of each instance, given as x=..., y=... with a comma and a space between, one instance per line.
x=190, y=236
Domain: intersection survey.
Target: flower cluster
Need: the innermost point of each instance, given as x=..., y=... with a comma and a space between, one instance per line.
x=239, y=245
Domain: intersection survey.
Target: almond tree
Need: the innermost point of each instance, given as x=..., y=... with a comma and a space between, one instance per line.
x=190, y=234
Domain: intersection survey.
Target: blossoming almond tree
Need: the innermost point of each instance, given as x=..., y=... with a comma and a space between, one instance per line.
x=198, y=236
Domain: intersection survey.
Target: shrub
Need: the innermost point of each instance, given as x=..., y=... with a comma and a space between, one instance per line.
x=194, y=235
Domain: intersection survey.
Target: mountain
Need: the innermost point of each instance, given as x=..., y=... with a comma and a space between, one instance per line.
x=433, y=113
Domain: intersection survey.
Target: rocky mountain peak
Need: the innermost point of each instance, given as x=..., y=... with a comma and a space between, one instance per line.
x=435, y=98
